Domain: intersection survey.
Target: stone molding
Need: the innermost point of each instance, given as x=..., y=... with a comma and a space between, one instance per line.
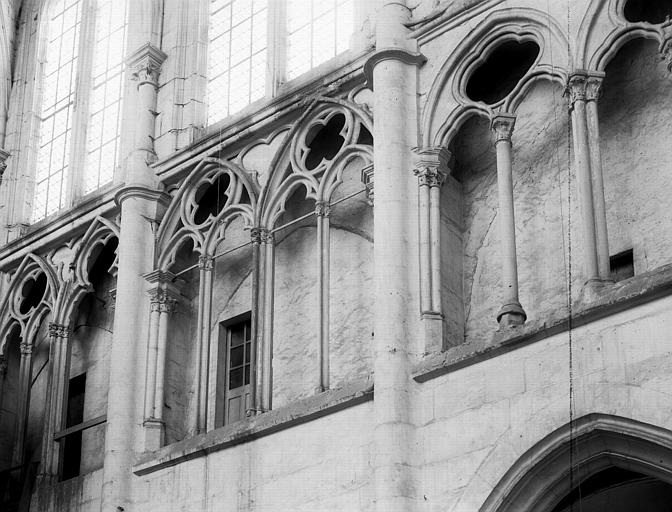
x=138, y=191
x=145, y=64
x=400, y=54
x=665, y=48
x=432, y=166
x=367, y=179
x=502, y=126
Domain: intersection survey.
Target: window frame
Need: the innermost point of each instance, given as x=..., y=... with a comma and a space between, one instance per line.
x=224, y=367
x=83, y=91
x=277, y=83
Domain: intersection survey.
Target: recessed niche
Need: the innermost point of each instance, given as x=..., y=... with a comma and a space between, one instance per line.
x=101, y=261
x=495, y=78
x=211, y=198
x=32, y=292
x=324, y=141
x=650, y=11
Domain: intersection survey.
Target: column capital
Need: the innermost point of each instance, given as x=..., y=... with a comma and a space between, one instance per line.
x=577, y=86
x=367, y=179
x=665, y=48
x=206, y=263
x=259, y=235
x=322, y=209
x=58, y=330
x=145, y=64
x=594, y=86
x=163, y=294
x=432, y=165
x=4, y=155
x=502, y=125
x=26, y=348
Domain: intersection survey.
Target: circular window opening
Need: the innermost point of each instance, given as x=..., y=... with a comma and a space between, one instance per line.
x=495, y=78
x=650, y=11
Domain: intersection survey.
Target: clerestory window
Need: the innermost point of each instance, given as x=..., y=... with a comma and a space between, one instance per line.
x=256, y=45
x=81, y=96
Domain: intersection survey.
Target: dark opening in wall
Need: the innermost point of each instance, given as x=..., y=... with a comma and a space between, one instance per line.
x=102, y=261
x=622, y=265
x=324, y=141
x=495, y=78
x=651, y=11
x=365, y=136
x=72, y=449
x=211, y=198
x=32, y=293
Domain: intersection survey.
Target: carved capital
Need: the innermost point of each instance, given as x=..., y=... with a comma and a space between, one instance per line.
x=367, y=179
x=255, y=235
x=322, y=209
x=4, y=155
x=665, y=48
x=58, y=330
x=594, y=87
x=502, y=126
x=577, y=87
x=26, y=348
x=145, y=64
x=206, y=263
x=432, y=166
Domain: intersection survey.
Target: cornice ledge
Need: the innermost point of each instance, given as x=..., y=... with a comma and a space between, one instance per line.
x=400, y=54
x=146, y=55
x=141, y=192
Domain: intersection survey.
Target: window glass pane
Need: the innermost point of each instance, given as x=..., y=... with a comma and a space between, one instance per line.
x=102, y=141
x=56, y=109
x=236, y=55
x=317, y=30
x=235, y=378
x=236, y=355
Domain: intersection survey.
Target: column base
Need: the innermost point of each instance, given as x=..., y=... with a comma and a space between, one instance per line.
x=154, y=431
x=511, y=315
x=433, y=332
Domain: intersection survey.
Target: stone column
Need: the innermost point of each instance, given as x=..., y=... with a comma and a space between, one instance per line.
x=431, y=168
x=593, y=90
x=205, y=266
x=392, y=72
x=577, y=93
x=163, y=299
x=25, y=370
x=322, y=212
x=59, y=366
x=511, y=313
x=255, y=321
x=142, y=203
x=266, y=363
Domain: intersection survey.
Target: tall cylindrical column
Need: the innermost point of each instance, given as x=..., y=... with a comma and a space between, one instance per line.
x=55, y=405
x=577, y=91
x=593, y=89
x=511, y=313
x=141, y=203
x=166, y=308
x=206, y=266
x=152, y=349
x=268, y=245
x=393, y=68
x=322, y=212
x=256, y=320
x=25, y=370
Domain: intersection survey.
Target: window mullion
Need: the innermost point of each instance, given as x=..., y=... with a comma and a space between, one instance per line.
x=277, y=46
x=81, y=110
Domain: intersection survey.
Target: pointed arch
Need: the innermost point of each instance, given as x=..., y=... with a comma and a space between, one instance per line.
x=447, y=93
x=289, y=169
x=240, y=198
x=31, y=267
x=539, y=479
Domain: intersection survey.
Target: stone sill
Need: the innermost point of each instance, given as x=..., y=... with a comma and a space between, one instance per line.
x=606, y=301
x=296, y=413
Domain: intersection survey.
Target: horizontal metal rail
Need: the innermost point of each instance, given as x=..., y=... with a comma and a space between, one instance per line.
x=80, y=427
